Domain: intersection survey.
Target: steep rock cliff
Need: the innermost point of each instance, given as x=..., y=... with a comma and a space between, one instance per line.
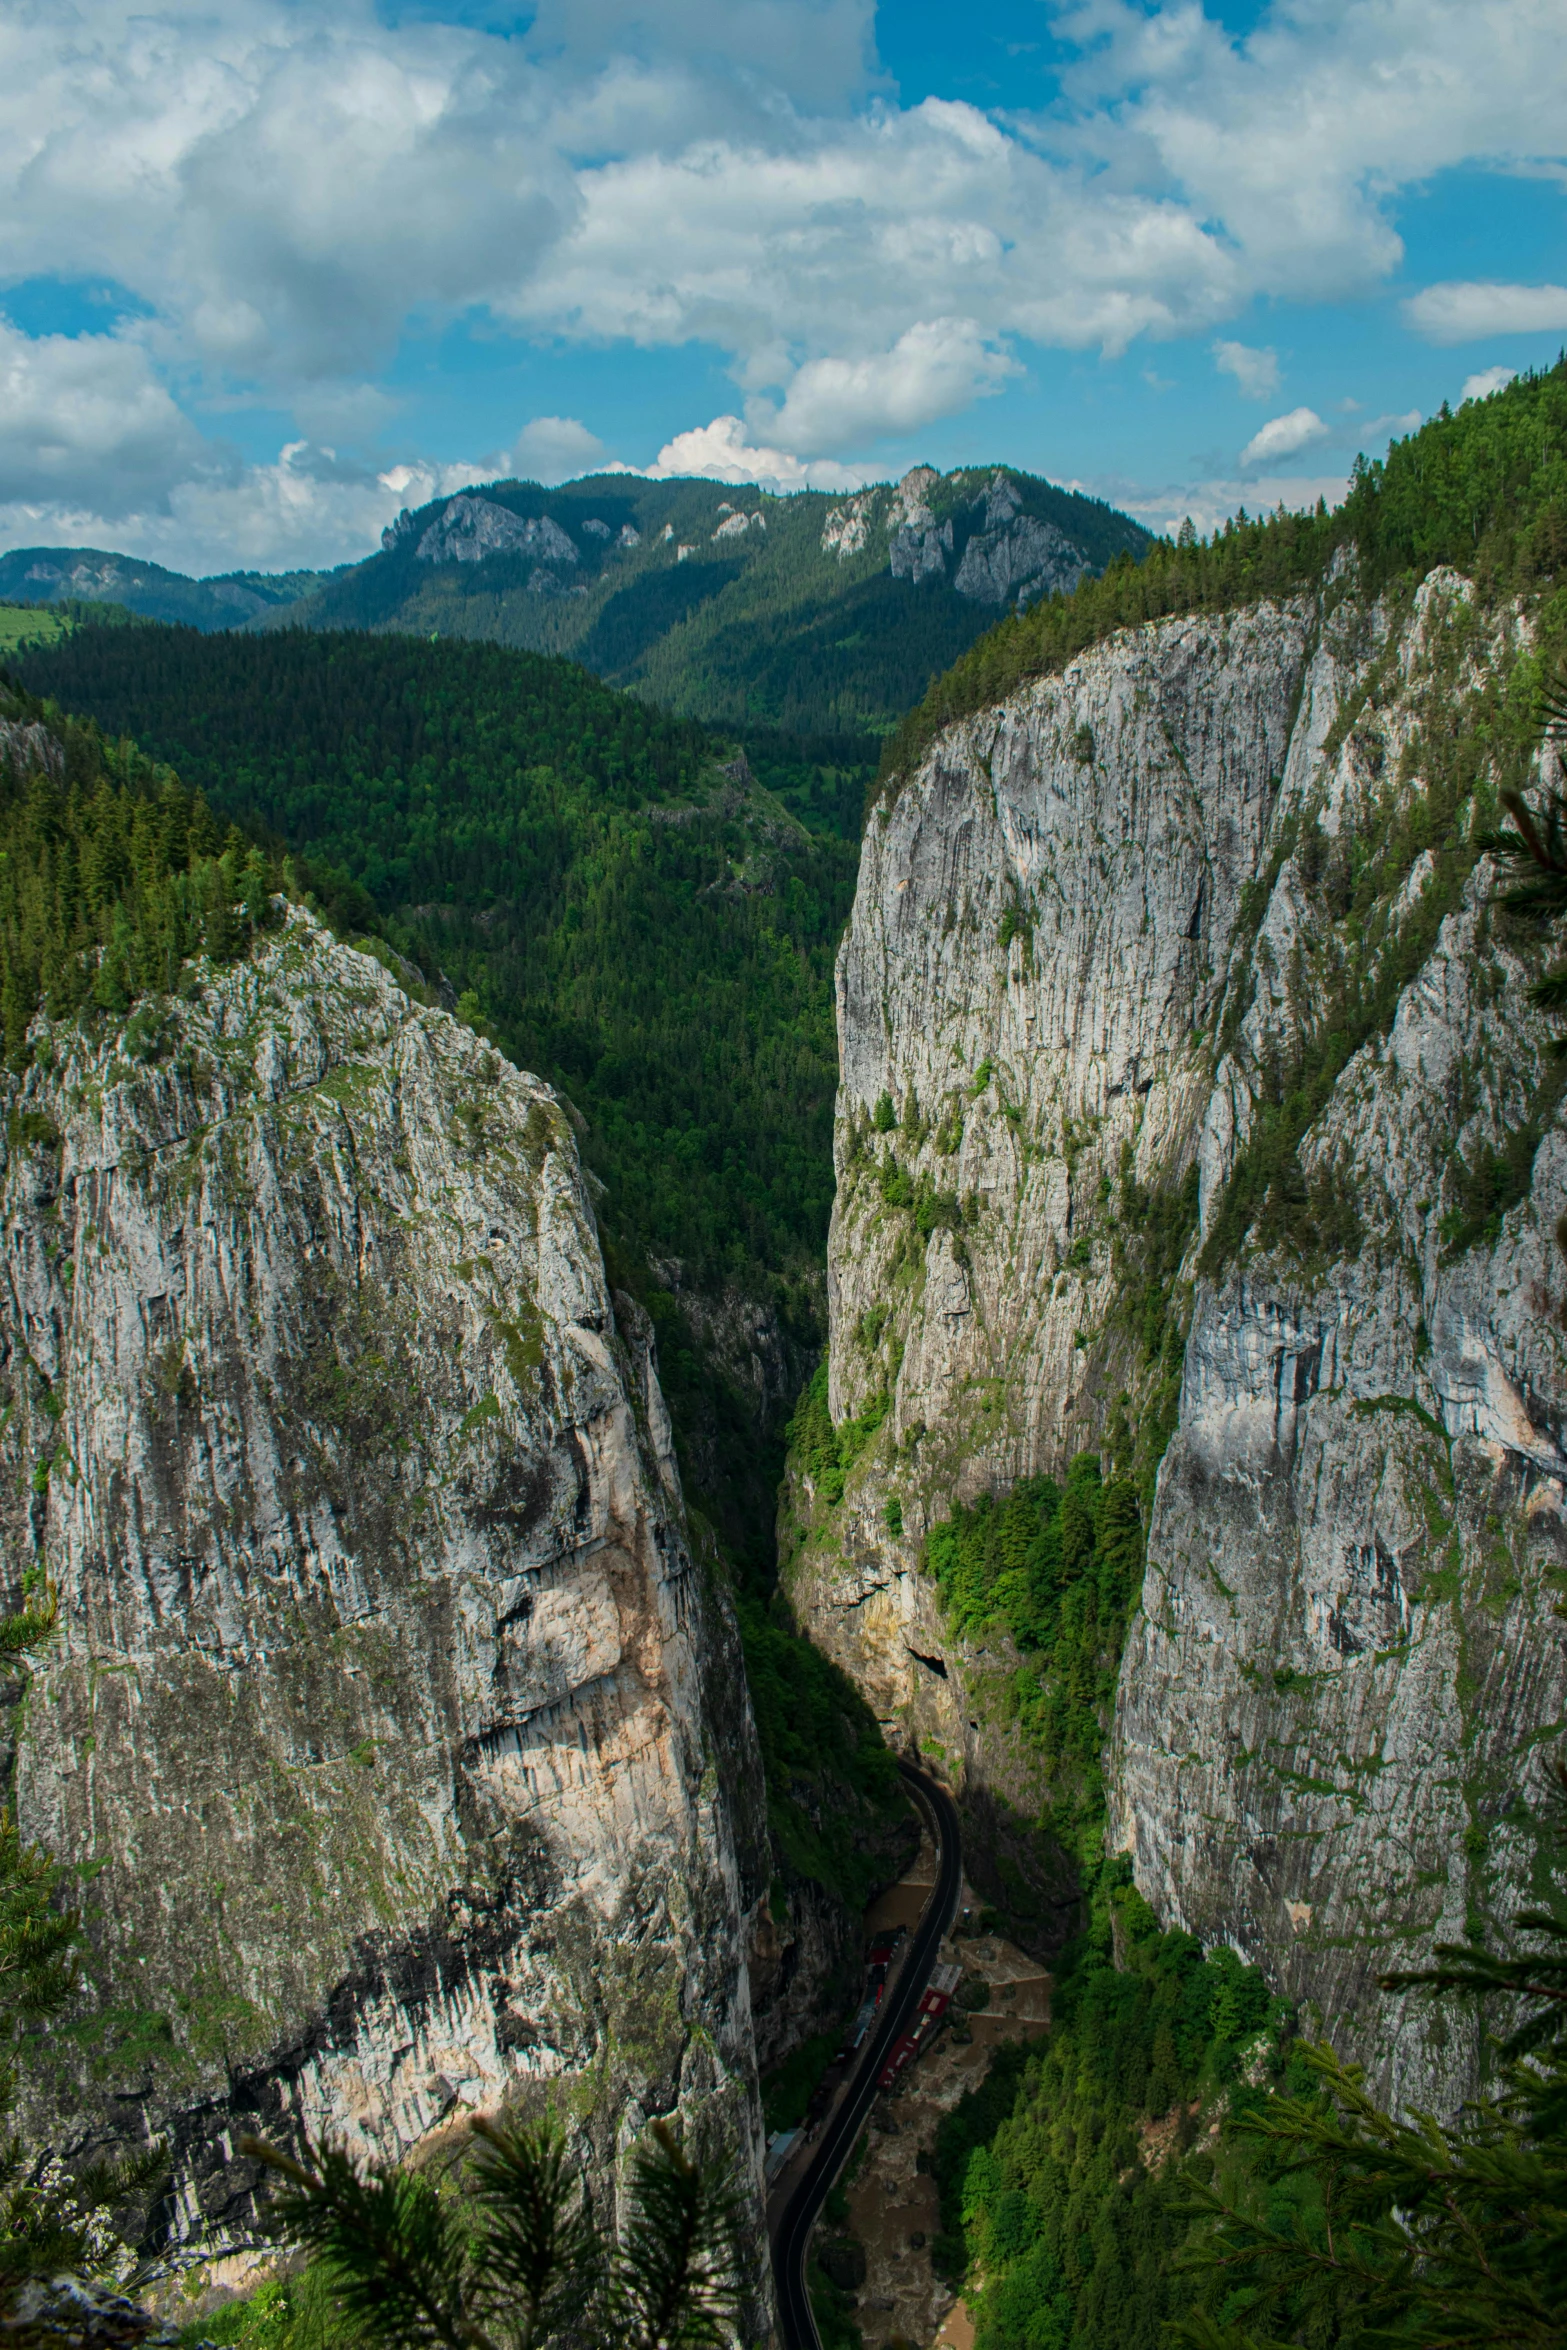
x=408, y=1747
x=1178, y=960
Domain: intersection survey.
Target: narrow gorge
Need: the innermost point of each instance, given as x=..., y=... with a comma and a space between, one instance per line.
x=424, y=1708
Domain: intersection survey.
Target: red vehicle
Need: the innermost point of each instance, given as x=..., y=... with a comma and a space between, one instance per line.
x=902, y=2052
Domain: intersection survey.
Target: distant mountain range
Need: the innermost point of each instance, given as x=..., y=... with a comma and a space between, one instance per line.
x=807, y=613
x=57, y=575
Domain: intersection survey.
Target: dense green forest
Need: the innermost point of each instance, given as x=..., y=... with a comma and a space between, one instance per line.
x=719, y=602
x=1484, y=490
x=1061, y=2177
x=1176, y=2165
x=112, y=876
x=650, y=932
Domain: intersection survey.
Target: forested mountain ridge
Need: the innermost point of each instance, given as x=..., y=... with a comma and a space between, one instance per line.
x=56, y=575
x=807, y=613
x=800, y=615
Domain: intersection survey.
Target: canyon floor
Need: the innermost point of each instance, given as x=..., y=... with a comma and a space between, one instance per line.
x=894, y=2214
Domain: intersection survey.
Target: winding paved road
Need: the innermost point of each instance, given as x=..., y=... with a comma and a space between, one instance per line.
x=794, y=2303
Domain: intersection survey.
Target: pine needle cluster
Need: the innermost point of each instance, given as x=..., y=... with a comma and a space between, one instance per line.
x=518, y=2263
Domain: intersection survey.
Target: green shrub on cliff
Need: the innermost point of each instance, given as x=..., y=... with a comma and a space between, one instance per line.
x=826, y=1451
x=286, y=2313
x=1056, y=1568
x=1060, y=2178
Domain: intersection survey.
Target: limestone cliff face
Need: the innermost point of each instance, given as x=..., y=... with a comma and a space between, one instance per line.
x=1090, y=935
x=410, y=1747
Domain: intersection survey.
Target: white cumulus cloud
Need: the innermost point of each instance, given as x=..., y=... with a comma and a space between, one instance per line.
x=720, y=451
x=85, y=418
x=1463, y=311
x=933, y=370
x=554, y=448
x=284, y=186
x=1256, y=372
x=1489, y=380
x=1283, y=436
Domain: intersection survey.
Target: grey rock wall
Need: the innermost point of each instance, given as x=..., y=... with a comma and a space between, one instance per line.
x=410, y=1749
x=1087, y=932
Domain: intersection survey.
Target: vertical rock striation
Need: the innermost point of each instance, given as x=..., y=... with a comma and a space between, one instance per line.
x=1040, y=933
x=1181, y=947
x=410, y=1749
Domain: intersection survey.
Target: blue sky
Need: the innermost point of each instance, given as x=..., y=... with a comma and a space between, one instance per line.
x=269, y=270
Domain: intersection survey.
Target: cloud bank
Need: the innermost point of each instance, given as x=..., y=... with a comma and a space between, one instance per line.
x=1284, y=436
x=283, y=190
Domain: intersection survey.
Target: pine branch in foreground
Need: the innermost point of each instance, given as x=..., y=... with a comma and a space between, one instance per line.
x=517, y=2263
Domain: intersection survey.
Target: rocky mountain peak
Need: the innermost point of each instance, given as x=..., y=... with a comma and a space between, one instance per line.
x=469, y=528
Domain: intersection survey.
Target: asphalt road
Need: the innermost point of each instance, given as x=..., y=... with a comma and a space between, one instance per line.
x=794, y=2304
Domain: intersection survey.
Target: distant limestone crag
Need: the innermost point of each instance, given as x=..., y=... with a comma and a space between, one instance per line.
x=810, y=613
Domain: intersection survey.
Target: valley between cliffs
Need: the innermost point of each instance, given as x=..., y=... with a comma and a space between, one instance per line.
x=403, y=1746
x=1193, y=1114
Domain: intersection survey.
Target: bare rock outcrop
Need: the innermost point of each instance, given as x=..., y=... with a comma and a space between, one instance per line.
x=407, y=1747
x=1099, y=937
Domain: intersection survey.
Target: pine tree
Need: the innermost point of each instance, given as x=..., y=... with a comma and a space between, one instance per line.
x=518, y=2264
